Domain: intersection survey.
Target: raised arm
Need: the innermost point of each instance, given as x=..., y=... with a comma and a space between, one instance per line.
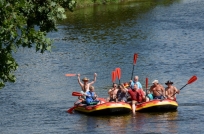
x=79, y=81
x=94, y=79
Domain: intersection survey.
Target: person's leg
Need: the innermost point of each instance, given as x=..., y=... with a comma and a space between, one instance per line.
x=133, y=107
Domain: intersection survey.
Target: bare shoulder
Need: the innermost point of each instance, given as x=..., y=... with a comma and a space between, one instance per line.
x=175, y=88
x=161, y=85
x=151, y=87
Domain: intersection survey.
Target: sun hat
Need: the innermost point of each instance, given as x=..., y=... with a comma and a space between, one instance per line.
x=85, y=79
x=155, y=81
x=169, y=82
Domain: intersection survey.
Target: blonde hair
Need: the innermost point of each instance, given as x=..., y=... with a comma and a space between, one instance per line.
x=91, y=87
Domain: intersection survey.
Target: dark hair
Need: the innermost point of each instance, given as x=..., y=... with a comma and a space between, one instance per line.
x=114, y=84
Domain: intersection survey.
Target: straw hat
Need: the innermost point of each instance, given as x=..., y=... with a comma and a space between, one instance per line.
x=85, y=79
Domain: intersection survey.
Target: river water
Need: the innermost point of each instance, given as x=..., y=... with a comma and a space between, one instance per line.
x=168, y=37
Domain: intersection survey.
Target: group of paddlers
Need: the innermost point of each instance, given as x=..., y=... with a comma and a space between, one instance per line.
x=127, y=92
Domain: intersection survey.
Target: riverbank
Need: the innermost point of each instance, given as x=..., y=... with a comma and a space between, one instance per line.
x=87, y=3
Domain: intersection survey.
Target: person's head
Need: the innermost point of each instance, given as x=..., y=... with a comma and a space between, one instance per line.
x=155, y=82
x=136, y=78
x=135, y=87
x=91, y=88
x=85, y=80
x=121, y=86
x=115, y=85
x=169, y=83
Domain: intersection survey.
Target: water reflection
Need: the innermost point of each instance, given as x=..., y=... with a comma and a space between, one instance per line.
x=105, y=124
x=155, y=122
x=99, y=23
x=143, y=122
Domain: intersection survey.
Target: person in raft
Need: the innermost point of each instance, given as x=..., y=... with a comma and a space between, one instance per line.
x=149, y=96
x=135, y=81
x=85, y=86
x=112, y=93
x=137, y=96
x=157, y=90
x=171, y=91
x=91, y=97
x=122, y=93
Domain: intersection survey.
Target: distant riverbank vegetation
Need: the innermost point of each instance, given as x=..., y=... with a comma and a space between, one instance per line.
x=86, y=3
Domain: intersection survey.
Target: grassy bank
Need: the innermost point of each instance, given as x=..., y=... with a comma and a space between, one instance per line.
x=86, y=3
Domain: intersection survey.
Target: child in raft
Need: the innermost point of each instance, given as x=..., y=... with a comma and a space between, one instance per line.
x=91, y=97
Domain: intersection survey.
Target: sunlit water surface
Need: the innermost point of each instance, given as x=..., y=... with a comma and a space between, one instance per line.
x=168, y=37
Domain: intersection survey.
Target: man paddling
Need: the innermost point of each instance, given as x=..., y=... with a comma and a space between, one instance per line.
x=171, y=91
x=157, y=90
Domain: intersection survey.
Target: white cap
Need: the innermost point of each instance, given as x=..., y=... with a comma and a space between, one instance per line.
x=155, y=81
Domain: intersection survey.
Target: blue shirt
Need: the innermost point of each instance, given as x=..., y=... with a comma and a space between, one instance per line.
x=90, y=97
x=138, y=84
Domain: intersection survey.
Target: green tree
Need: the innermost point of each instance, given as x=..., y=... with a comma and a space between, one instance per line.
x=25, y=23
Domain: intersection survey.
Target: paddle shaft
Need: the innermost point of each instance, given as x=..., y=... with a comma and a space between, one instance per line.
x=146, y=85
x=161, y=94
x=132, y=70
x=180, y=89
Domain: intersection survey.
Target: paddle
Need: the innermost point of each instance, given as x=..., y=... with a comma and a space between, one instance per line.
x=71, y=109
x=146, y=85
x=118, y=73
x=70, y=75
x=76, y=94
x=113, y=76
x=191, y=80
x=134, y=62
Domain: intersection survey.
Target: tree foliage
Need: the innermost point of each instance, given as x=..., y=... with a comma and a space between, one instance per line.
x=25, y=23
